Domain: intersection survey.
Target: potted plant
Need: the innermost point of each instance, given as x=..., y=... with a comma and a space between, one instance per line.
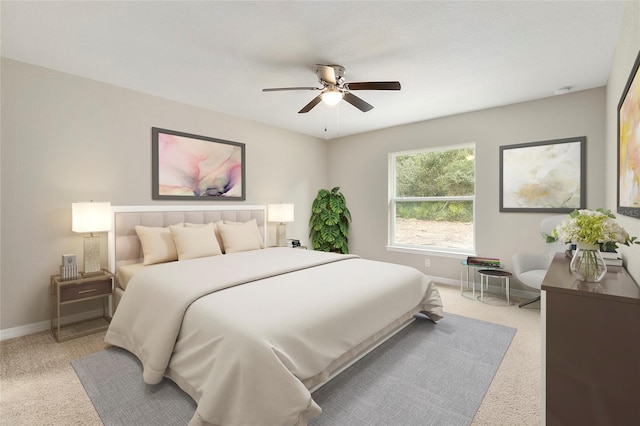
x=329, y=222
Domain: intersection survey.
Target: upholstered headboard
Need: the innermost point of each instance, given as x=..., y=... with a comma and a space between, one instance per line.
x=124, y=245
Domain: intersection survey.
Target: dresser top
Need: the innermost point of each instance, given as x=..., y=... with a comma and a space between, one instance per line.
x=616, y=285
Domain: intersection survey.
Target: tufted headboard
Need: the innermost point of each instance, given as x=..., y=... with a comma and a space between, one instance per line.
x=124, y=245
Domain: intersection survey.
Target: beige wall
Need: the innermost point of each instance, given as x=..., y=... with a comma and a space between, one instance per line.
x=67, y=139
x=364, y=182
x=627, y=49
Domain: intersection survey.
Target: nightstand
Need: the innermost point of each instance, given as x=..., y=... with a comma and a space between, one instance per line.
x=81, y=289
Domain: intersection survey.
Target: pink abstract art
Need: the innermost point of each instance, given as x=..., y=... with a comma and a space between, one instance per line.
x=194, y=166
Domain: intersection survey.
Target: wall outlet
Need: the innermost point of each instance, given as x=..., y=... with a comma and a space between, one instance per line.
x=427, y=262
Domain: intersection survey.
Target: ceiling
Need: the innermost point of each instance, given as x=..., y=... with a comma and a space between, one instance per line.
x=450, y=57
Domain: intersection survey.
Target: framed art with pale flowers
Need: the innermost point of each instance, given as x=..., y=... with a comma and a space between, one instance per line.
x=545, y=176
x=190, y=167
x=629, y=145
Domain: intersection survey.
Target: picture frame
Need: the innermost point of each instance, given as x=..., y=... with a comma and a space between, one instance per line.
x=190, y=167
x=628, y=167
x=545, y=176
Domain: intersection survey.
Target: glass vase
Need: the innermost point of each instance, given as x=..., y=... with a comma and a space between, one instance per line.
x=587, y=263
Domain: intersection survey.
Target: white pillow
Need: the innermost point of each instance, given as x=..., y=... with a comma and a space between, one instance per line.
x=215, y=231
x=252, y=224
x=157, y=244
x=194, y=242
x=238, y=238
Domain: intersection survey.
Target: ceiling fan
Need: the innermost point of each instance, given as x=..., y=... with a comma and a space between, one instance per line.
x=335, y=88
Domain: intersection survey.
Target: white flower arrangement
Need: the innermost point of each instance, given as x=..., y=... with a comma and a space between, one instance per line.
x=594, y=227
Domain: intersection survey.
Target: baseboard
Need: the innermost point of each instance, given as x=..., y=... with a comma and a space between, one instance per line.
x=445, y=281
x=516, y=292
x=24, y=330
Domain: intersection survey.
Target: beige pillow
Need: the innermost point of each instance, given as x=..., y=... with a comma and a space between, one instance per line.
x=238, y=238
x=215, y=231
x=251, y=223
x=194, y=242
x=157, y=244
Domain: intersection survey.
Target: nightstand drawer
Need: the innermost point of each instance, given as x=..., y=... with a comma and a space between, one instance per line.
x=82, y=291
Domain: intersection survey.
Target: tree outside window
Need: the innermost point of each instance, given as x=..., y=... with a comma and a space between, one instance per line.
x=432, y=199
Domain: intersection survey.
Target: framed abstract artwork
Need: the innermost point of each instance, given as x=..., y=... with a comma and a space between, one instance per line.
x=546, y=176
x=190, y=167
x=629, y=145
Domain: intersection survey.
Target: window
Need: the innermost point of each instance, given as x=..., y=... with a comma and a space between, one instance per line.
x=432, y=198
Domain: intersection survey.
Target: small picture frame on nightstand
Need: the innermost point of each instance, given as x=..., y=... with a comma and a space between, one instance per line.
x=69, y=267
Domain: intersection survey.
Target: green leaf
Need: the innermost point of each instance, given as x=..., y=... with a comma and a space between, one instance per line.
x=329, y=234
x=347, y=214
x=336, y=205
x=329, y=217
x=344, y=229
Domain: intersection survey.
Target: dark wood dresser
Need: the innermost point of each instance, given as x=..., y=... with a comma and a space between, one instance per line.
x=591, y=348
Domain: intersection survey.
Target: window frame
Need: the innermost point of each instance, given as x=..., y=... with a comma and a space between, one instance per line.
x=392, y=245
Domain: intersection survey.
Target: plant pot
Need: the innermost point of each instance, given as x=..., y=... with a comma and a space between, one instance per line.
x=587, y=263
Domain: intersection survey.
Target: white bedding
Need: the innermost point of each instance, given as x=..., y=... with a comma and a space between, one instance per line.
x=126, y=272
x=285, y=319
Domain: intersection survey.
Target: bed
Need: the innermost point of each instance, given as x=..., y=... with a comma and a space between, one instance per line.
x=251, y=332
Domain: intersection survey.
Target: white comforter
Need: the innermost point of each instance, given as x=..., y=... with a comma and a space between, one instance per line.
x=285, y=320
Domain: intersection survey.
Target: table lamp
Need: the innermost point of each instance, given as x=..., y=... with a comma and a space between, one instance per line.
x=280, y=213
x=87, y=218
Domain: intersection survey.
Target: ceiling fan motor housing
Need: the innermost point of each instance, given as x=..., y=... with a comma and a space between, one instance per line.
x=327, y=79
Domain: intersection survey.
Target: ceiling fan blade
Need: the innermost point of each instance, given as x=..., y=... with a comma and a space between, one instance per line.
x=315, y=101
x=280, y=89
x=375, y=85
x=327, y=73
x=357, y=102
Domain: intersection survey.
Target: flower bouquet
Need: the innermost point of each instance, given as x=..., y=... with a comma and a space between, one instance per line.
x=591, y=231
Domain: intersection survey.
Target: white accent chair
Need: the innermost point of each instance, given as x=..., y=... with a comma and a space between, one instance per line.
x=530, y=269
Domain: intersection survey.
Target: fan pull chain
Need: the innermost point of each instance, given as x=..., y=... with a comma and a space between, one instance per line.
x=325, y=119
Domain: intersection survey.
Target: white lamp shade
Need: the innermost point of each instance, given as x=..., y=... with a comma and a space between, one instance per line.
x=332, y=97
x=90, y=217
x=280, y=213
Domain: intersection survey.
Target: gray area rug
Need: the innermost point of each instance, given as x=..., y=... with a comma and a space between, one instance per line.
x=427, y=374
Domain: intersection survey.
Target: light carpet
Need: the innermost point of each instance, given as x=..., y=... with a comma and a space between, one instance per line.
x=427, y=374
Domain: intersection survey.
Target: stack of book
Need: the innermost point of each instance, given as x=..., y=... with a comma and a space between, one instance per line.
x=483, y=261
x=611, y=258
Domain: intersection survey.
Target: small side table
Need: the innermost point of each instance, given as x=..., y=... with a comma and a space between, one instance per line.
x=77, y=290
x=485, y=274
x=471, y=270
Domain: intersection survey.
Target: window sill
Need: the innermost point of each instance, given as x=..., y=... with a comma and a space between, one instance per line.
x=431, y=252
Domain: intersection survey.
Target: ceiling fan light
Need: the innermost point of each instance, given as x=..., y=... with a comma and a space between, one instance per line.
x=332, y=97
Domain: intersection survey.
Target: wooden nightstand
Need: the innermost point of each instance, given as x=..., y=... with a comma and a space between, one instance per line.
x=80, y=289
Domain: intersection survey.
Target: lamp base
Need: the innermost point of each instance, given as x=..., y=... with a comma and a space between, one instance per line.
x=91, y=255
x=91, y=274
x=281, y=235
